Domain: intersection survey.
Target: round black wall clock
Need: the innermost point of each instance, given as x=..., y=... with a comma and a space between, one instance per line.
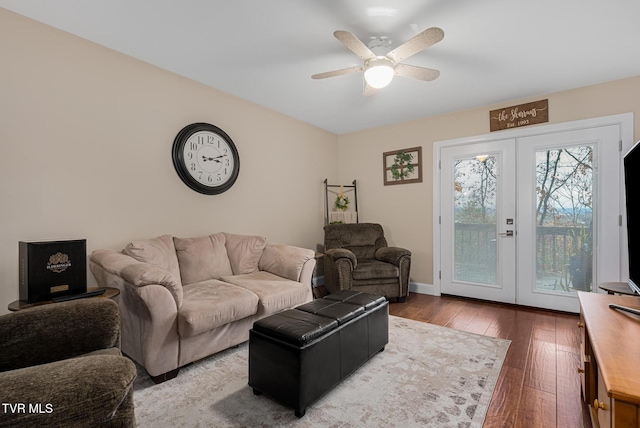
x=205, y=158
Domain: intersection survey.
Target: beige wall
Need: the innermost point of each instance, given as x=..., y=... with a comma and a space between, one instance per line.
x=405, y=211
x=86, y=136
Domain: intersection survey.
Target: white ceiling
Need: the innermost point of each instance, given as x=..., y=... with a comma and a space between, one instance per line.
x=265, y=51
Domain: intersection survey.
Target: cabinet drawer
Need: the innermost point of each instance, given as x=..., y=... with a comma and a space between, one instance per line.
x=602, y=405
x=587, y=367
x=587, y=386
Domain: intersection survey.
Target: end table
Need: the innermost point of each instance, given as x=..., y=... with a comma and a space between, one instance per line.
x=18, y=305
x=617, y=288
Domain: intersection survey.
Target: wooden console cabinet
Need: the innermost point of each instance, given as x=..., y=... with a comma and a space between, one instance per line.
x=610, y=360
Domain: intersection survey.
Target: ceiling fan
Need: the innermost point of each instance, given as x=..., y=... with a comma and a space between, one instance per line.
x=380, y=67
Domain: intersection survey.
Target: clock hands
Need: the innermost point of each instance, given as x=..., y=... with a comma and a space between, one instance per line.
x=216, y=159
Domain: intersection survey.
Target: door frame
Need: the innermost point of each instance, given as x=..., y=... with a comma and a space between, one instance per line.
x=625, y=123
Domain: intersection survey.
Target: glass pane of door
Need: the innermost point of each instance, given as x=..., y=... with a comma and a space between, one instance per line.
x=564, y=219
x=475, y=182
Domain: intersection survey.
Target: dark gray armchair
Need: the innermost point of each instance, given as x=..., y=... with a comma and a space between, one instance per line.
x=60, y=365
x=357, y=258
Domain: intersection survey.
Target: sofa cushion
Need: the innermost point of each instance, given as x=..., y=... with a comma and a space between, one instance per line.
x=372, y=269
x=275, y=293
x=363, y=239
x=210, y=304
x=202, y=258
x=284, y=260
x=158, y=251
x=244, y=252
x=109, y=351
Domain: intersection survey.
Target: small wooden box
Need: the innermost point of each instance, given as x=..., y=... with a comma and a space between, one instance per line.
x=53, y=268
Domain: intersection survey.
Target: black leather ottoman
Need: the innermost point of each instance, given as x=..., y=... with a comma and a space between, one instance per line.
x=298, y=355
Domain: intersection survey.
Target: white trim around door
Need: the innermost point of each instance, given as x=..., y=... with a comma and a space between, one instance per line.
x=615, y=261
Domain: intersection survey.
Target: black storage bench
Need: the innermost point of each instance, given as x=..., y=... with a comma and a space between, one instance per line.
x=298, y=355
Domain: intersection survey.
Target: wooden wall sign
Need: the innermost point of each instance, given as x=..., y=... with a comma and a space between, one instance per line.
x=520, y=115
x=402, y=166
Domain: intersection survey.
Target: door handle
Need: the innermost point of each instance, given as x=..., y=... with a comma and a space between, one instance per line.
x=507, y=233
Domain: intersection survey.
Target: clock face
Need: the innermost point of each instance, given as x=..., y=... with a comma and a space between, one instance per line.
x=205, y=158
x=209, y=158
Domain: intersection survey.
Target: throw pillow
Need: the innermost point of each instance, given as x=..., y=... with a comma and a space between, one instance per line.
x=202, y=258
x=244, y=252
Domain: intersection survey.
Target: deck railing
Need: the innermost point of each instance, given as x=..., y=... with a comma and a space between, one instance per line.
x=563, y=251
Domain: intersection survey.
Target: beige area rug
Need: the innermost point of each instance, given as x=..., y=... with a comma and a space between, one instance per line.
x=427, y=376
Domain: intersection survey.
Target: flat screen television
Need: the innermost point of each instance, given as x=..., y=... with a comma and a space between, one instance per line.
x=632, y=199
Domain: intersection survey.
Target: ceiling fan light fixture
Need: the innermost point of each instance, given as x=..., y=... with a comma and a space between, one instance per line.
x=380, y=64
x=378, y=72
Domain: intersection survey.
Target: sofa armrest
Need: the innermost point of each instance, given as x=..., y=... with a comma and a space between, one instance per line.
x=58, y=331
x=138, y=273
x=391, y=255
x=335, y=254
x=287, y=261
x=83, y=391
x=306, y=274
x=149, y=315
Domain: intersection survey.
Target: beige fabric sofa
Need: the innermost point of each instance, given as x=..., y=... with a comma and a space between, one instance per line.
x=184, y=299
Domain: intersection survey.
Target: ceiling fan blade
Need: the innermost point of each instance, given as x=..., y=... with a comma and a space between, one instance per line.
x=416, y=72
x=418, y=43
x=354, y=44
x=337, y=72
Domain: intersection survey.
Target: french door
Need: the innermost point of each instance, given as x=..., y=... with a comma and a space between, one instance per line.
x=478, y=218
x=530, y=219
x=569, y=206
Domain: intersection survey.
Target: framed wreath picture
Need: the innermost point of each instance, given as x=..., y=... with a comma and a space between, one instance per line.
x=402, y=166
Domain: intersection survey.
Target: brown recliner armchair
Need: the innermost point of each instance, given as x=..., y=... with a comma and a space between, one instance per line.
x=357, y=258
x=61, y=366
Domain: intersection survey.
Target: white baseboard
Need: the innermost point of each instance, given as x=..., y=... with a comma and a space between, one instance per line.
x=420, y=288
x=317, y=281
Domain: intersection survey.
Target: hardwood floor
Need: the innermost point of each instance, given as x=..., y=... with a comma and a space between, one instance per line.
x=539, y=385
